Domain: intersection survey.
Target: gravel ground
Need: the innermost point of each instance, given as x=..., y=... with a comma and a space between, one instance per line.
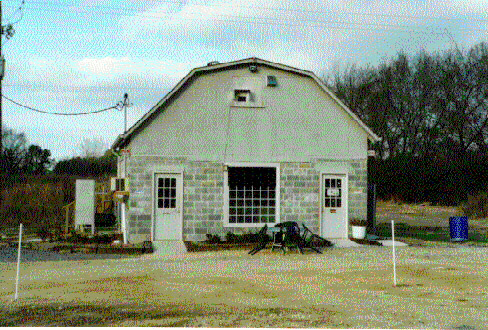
x=441, y=288
x=8, y=254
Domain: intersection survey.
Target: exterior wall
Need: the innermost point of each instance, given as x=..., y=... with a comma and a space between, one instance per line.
x=358, y=189
x=203, y=194
x=300, y=194
x=295, y=124
x=296, y=121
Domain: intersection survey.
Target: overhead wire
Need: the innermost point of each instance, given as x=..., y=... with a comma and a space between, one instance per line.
x=74, y=87
x=117, y=106
x=279, y=22
x=19, y=9
x=261, y=8
x=257, y=20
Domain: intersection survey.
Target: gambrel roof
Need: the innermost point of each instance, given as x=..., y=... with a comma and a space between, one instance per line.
x=123, y=139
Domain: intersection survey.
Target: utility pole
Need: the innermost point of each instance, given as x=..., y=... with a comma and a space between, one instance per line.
x=8, y=31
x=2, y=69
x=123, y=207
x=1, y=78
x=125, y=104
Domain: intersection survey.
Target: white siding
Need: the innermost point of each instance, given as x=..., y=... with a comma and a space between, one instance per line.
x=298, y=121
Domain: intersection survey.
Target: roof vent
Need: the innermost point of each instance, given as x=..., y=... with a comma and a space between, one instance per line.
x=272, y=82
x=213, y=63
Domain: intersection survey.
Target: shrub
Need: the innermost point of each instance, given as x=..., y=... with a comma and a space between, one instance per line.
x=103, y=239
x=43, y=233
x=231, y=237
x=358, y=222
x=476, y=205
x=242, y=238
x=213, y=239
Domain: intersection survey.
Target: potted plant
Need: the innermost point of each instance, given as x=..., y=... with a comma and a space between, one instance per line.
x=358, y=228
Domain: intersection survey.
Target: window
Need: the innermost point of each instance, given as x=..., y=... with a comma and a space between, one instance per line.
x=242, y=95
x=166, y=193
x=252, y=195
x=333, y=193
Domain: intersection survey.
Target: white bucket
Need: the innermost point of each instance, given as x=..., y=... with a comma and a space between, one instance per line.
x=358, y=232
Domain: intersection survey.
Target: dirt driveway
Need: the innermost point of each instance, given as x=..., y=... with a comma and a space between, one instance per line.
x=343, y=288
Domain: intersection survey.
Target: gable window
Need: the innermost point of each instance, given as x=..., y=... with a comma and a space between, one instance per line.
x=252, y=196
x=242, y=95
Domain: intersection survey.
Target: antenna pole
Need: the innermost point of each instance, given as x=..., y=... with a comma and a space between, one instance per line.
x=125, y=104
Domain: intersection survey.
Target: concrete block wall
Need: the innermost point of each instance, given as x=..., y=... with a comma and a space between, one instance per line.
x=203, y=184
x=358, y=189
x=139, y=213
x=203, y=204
x=203, y=200
x=300, y=194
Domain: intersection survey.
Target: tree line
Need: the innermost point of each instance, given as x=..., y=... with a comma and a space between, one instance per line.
x=431, y=112
x=19, y=158
x=35, y=187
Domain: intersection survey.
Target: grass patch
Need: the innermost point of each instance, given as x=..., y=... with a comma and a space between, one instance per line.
x=425, y=233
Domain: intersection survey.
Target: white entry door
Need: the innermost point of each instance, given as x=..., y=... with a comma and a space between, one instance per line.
x=168, y=199
x=334, y=206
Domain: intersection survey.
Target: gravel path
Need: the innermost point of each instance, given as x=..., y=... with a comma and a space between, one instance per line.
x=8, y=254
x=441, y=288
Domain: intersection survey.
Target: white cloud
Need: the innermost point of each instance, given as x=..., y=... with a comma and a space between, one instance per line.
x=301, y=34
x=106, y=66
x=471, y=6
x=95, y=72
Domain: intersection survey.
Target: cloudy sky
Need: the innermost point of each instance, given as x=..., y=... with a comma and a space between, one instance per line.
x=83, y=55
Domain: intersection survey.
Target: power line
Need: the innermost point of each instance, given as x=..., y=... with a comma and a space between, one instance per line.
x=280, y=9
x=264, y=20
x=342, y=25
x=117, y=106
x=75, y=87
x=19, y=9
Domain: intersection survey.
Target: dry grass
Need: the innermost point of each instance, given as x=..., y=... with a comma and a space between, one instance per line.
x=344, y=288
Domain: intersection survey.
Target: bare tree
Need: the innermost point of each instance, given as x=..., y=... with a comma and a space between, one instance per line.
x=422, y=105
x=93, y=147
x=20, y=158
x=462, y=97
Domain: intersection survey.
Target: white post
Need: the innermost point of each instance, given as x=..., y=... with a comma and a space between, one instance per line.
x=393, y=246
x=18, y=265
x=124, y=222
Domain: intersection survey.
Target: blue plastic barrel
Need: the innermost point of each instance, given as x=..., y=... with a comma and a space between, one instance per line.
x=459, y=228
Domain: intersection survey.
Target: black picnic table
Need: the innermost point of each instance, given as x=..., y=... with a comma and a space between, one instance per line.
x=288, y=235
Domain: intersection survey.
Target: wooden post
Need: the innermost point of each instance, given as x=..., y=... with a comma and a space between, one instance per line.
x=66, y=224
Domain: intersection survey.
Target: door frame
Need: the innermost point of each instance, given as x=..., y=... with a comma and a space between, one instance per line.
x=177, y=172
x=345, y=194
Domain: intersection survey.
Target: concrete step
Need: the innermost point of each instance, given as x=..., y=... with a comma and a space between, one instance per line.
x=343, y=243
x=169, y=247
x=390, y=243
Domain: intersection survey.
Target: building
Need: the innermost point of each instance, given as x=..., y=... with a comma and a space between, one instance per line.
x=236, y=145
